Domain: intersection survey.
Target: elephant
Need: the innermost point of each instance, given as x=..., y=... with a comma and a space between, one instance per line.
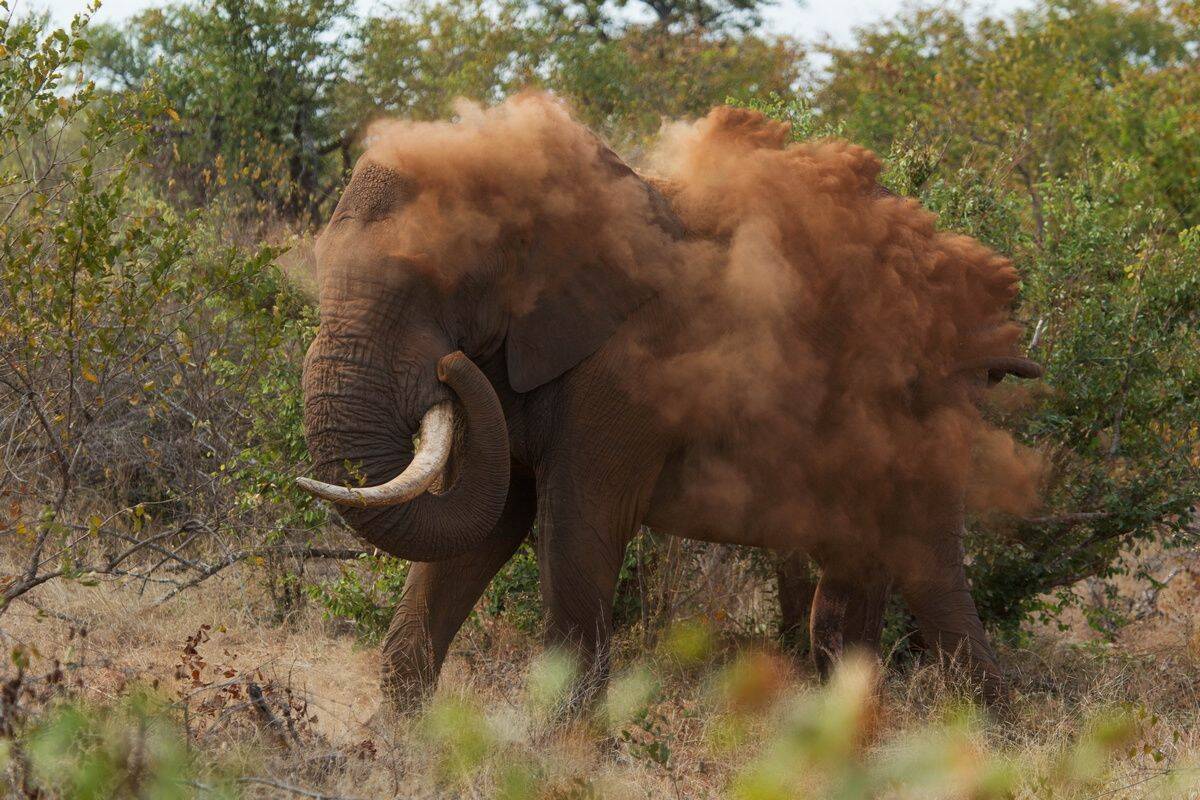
x=522, y=407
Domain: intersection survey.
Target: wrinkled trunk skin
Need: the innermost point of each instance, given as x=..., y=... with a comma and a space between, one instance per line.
x=360, y=415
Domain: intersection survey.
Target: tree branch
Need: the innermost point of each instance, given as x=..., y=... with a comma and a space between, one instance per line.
x=341, y=554
x=1068, y=520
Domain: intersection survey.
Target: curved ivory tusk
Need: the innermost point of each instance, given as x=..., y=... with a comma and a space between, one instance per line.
x=437, y=432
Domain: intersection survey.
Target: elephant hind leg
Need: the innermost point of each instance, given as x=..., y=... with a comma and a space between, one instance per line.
x=847, y=614
x=438, y=597
x=796, y=587
x=863, y=626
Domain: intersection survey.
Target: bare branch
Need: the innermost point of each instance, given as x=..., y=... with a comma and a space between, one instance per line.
x=342, y=554
x=1068, y=520
x=296, y=790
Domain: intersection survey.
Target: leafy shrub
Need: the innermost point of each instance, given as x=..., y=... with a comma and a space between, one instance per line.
x=366, y=596
x=515, y=591
x=149, y=364
x=54, y=744
x=251, y=83
x=131, y=750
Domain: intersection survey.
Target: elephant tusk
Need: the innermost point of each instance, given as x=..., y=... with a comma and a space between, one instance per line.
x=433, y=451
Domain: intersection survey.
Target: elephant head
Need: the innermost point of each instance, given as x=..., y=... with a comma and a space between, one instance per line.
x=510, y=281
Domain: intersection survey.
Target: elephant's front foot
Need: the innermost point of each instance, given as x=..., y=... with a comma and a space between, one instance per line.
x=584, y=670
x=952, y=632
x=408, y=678
x=971, y=667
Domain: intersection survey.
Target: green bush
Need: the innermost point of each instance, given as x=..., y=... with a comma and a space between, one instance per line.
x=515, y=592
x=148, y=361
x=132, y=750
x=251, y=82
x=54, y=745
x=365, y=596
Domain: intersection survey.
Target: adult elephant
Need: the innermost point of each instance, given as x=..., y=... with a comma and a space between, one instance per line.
x=514, y=307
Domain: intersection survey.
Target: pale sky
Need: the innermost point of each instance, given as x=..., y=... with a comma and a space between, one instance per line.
x=809, y=20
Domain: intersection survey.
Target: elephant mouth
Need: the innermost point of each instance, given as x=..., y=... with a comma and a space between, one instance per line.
x=428, y=462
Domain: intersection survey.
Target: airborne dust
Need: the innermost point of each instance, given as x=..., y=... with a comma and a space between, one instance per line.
x=808, y=332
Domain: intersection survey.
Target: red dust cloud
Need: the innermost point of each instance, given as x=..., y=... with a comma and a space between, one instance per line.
x=810, y=333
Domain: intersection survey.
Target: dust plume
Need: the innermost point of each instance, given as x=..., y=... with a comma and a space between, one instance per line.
x=521, y=181
x=832, y=336
x=807, y=331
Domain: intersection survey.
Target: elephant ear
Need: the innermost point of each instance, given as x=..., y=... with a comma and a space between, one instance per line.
x=568, y=321
x=585, y=300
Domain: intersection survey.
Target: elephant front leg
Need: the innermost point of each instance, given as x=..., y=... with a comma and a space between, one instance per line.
x=579, y=570
x=594, y=487
x=935, y=587
x=438, y=597
x=581, y=546
x=950, y=627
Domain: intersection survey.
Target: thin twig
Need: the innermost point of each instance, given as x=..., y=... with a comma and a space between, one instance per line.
x=293, y=789
x=242, y=555
x=1069, y=520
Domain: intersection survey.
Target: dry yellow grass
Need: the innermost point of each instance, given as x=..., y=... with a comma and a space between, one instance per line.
x=488, y=726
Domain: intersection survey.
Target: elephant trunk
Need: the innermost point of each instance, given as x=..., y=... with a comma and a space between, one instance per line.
x=350, y=427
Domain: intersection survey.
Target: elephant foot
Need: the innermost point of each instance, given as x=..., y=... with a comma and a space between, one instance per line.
x=826, y=624
x=403, y=698
x=975, y=671
x=409, y=675
x=966, y=663
x=796, y=588
x=391, y=720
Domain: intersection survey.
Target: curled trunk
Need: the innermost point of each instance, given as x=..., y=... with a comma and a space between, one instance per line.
x=357, y=430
